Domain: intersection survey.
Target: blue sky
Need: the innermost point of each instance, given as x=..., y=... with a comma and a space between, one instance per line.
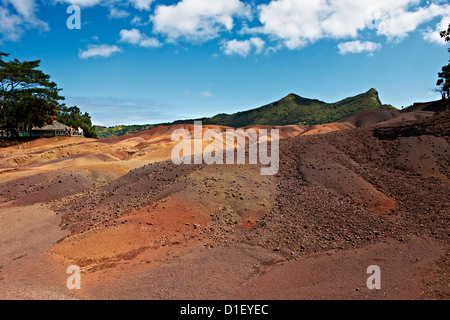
x=150, y=61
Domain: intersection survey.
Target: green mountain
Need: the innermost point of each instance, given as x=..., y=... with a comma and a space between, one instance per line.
x=292, y=109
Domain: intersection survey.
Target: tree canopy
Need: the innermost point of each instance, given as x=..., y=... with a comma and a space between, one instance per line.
x=444, y=76
x=29, y=98
x=72, y=116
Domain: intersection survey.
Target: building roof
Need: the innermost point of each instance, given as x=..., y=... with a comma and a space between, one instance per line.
x=56, y=126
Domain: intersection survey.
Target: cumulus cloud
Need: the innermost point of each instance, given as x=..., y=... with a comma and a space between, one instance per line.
x=10, y=25
x=82, y=3
x=258, y=44
x=433, y=35
x=138, y=22
x=293, y=22
x=101, y=50
x=197, y=20
x=114, y=4
x=358, y=47
x=275, y=24
x=243, y=47
x=116, y=13
x=25, y=8
x=297, y=23
x=400, y=23
x=23, y=16
x=142, y=4
x=134, y=36
x=150, y=43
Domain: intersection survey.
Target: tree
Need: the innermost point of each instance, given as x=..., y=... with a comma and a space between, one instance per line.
x=72, y=116
x=27, y=96
x=446, y=34
x=444, y=76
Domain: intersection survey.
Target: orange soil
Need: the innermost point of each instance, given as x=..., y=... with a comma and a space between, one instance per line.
x=220, y=202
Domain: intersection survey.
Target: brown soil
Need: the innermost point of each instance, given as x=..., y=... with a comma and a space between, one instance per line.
x=351, y=188
x=144, y=228
x=342, y=275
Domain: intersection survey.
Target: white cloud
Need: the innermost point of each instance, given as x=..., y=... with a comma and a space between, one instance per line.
x=82, y=3
x=150, y=43
x=296, y=23
x=25, y=8
x=142, y=4
x=433, y=35
x=137, y=21
x=13, y=24
x=206, y=94
x=138, y=4
x=197, y=20
x=400, y=23
x=358, y=47
x=243, y=47
x=10, y=25
x=280, y=23
x=101, y=50
x=115, y=13
x=293, y=21
x=258, y=44
x=134, y=36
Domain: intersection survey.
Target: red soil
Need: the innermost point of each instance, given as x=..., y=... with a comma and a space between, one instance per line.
x=340, y=202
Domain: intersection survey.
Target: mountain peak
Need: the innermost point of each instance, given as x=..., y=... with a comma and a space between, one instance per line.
x=295, y=98
x=374, y=95
x=294, y=109
x=292, y=96
x=372, y=91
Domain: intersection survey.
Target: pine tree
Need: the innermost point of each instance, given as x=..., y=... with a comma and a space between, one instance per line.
x=444, y=76
x=27, y=96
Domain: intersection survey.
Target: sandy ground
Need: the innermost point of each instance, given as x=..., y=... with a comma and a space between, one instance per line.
x=27, y=269
x=141, y=227
x=342, y=274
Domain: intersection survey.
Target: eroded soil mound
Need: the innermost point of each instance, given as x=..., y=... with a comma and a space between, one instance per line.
x=141, y=227
x=353, y=187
